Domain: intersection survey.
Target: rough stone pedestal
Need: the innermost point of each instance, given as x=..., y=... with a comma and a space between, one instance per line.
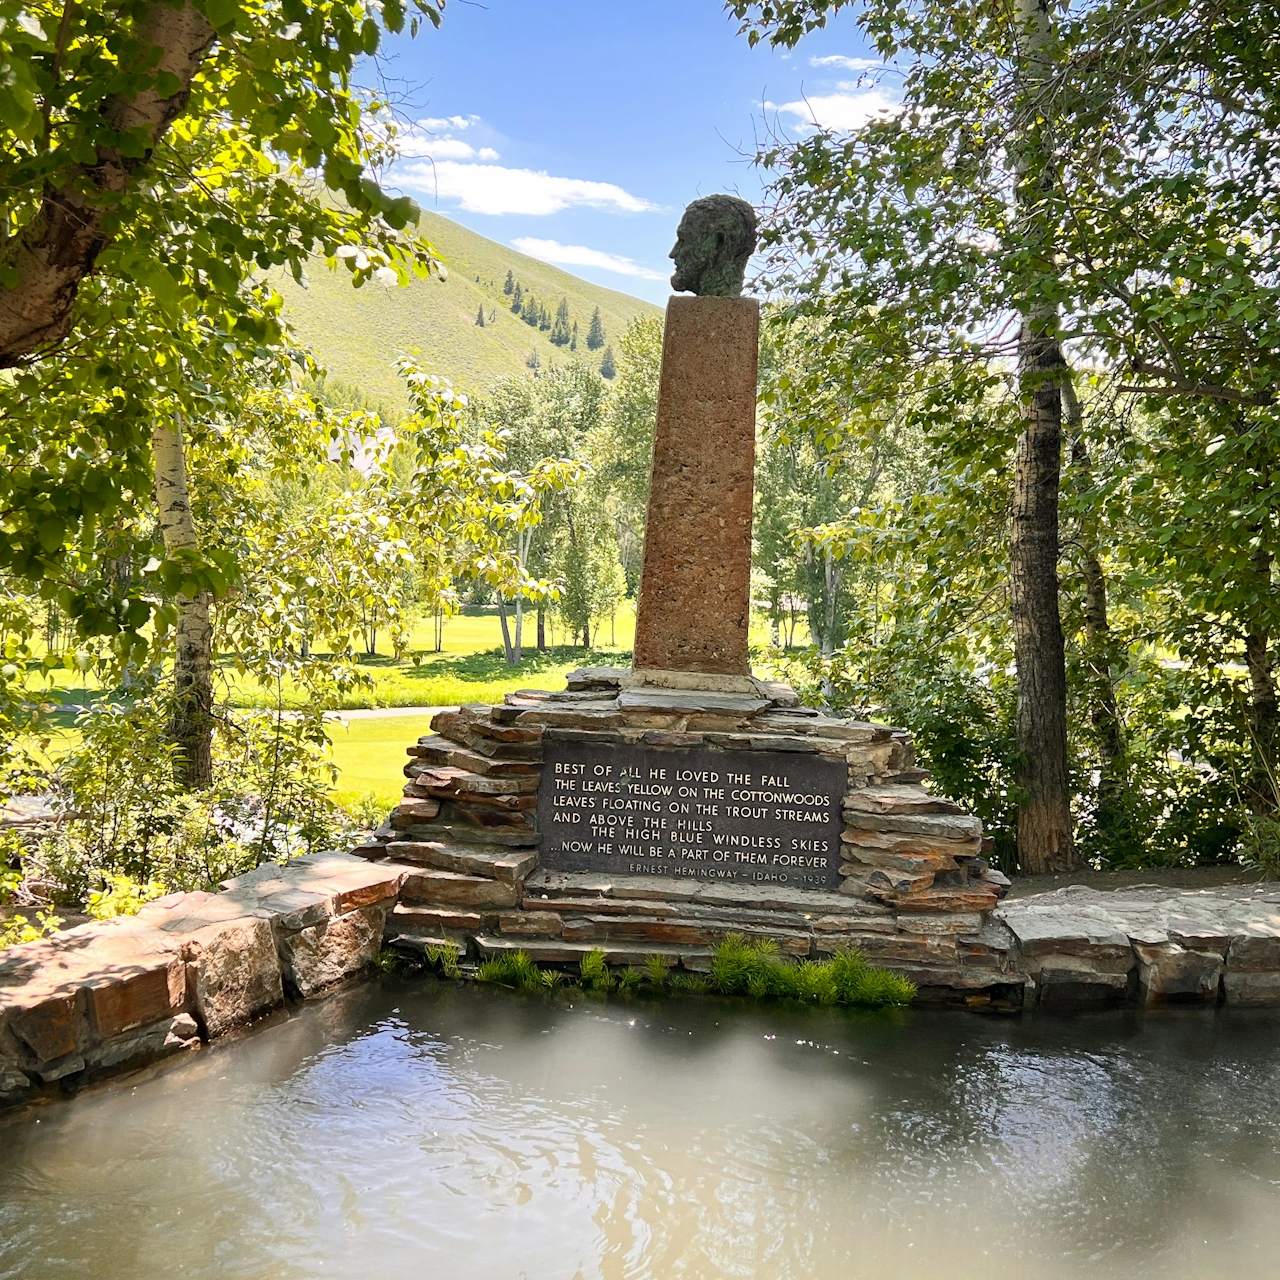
x=695, y=584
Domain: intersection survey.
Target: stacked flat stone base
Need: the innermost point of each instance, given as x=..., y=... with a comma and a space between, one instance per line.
x=915, y=893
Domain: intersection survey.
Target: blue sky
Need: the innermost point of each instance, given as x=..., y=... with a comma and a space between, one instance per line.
x=577, y=130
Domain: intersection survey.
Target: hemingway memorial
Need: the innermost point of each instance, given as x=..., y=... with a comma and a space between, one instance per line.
x=654, y=810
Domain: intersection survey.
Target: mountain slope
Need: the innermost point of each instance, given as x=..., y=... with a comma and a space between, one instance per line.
x=357, y=333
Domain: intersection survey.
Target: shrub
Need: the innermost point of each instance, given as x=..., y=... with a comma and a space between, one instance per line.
x=122, y=896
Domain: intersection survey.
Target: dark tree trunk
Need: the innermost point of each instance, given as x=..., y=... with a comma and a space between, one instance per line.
x=1264, y=713
x=1045, y=841
x=542, y=629
x=1100, y=645
x=507, y=650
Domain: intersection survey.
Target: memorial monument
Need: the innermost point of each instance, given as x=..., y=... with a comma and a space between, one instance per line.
x=652, y=810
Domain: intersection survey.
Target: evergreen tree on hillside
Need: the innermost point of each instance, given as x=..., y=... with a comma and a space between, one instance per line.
x=595, y=335
x=531, y=311
x=509, y=287
x=533, y=361
x=517, y=298
x=480, y=317
x=607, y=367
x=560, y=330
x=573, y=337
x=544, y=319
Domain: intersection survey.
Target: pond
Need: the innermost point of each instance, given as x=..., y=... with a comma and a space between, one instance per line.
x=413, y=1129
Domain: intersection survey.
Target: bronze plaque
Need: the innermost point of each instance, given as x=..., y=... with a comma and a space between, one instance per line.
x=746, y=817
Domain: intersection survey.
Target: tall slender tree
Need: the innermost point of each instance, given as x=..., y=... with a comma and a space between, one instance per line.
x=595, y=334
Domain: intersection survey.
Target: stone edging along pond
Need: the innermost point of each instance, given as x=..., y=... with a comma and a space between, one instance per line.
x=114, y=995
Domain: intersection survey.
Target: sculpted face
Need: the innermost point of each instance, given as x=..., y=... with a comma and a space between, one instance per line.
x=715, y=238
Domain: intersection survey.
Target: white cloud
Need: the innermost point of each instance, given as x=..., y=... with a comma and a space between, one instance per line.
x=441, y=124
x=578, y=255
x=495, y=189
x=843, y=112
x=849, y=64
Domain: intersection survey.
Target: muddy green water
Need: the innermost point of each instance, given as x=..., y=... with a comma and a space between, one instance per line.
x=406, y=1129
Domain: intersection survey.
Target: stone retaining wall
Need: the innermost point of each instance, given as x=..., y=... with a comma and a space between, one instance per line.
x=120, y=993
x=116, y=995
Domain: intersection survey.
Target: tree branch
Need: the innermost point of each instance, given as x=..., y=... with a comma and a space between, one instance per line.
x=54, y=252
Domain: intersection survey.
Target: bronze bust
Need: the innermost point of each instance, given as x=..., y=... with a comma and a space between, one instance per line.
x=715, y=238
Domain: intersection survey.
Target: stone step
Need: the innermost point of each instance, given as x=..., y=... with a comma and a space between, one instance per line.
x=953, y=826
x=436, y=751
x=496, y=864
x=460, y=833
x=448, y=782
x=436, y=921
x=420, y=945
x=560, y=952
x=587, y=884
x=899, y=800
x=448, y=888
x=614, y=929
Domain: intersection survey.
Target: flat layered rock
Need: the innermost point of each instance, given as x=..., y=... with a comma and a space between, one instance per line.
x=560, y=952
x=448, y=888
x=691, y=701
x=898, y=800
x=676, y=890
x=949, y=826
x=497, y=864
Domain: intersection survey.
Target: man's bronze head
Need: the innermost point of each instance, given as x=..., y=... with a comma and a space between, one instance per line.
x=716, y=237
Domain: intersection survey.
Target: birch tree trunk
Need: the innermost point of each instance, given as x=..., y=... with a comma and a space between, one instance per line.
x=1045, y=839
x=191, y=722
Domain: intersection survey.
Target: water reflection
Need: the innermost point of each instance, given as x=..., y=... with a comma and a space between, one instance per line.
x=418, y=1130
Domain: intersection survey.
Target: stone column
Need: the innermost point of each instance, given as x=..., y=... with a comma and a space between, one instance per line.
x=695, y=584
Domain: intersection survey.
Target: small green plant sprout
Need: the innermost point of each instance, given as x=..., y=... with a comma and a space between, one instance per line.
x=629, y=979
x=9, y=883
x=387, y=960
x=446, y=958
x=516, y=970
x=655, y=971
x=121, y=895
x=594, y=972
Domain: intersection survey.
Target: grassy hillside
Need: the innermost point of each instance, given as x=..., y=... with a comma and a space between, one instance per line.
x=358, y=333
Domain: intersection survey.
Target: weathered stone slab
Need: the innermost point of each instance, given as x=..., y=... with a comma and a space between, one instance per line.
x=325, y=954
x=1073, y=981
x=419, y=921
x=236, y=973
x=899, y=800
x=1167, y=971
x=676, y=932
x=949, y=826
x=448, y=888
x=499, y=864
x=557, y=951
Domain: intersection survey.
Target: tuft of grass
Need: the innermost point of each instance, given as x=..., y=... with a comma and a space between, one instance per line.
x=519, y=970
x=594, y=972
x=754, y=968
x=446, y=958
x=739, y=967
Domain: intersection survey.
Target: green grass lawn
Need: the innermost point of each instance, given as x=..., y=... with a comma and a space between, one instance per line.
x=371, y=756
x=471, y=668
